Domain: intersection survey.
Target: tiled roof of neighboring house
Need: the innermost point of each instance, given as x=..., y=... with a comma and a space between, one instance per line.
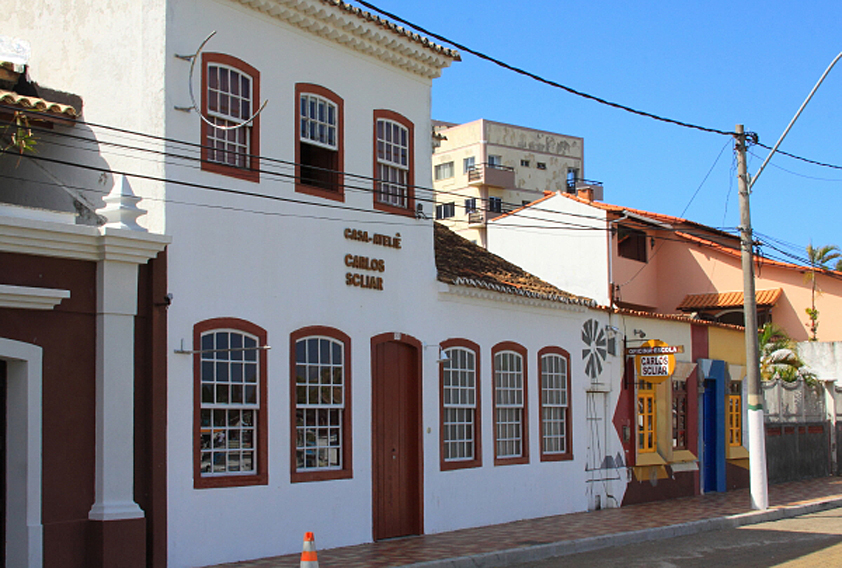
x=671, y=317
x=11, y=101
x=721, y=300
x=676, y=222
x=462, y=263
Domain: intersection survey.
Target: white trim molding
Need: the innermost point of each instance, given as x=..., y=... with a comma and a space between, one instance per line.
x=24, y=531
x=339, y=22
x=30, y=298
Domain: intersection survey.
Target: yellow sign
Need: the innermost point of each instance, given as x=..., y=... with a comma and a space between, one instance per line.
x=655, y=360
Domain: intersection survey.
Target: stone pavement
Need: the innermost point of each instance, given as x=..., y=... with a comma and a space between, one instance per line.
x=523, y=541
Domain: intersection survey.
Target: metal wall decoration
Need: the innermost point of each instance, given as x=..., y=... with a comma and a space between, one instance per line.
x=593, y=336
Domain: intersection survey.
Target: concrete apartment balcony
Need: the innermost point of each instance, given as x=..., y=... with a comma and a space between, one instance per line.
x=492, y=175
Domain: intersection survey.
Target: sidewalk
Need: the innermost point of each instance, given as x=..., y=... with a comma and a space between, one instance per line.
x=522, y=541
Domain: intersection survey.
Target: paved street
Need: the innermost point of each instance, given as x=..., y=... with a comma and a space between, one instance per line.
x=809, y=540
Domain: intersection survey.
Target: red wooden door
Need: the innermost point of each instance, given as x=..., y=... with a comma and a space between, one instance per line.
x=396, y=424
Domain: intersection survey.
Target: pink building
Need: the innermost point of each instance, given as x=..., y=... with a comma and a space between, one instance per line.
x=659, y=263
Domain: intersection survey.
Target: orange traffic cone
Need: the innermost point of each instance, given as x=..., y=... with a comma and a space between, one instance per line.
x=308, y=552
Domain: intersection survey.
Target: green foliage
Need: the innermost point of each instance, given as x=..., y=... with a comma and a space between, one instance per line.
x=819, y=260
x=21, y=138
x=779, y=358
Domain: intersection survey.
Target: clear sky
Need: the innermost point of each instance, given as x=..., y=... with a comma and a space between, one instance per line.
x=712, y=63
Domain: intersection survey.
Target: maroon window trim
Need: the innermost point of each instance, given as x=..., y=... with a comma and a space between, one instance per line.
x=262, y=475
x=520, y=350
x=409, y=210
x=568, y=419
x=477, y=461
x=252, y=173
x=347, y=470
x=339, y=193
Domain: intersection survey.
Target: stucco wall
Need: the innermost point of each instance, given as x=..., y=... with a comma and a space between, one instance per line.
x=824, y=358
x=559, y=240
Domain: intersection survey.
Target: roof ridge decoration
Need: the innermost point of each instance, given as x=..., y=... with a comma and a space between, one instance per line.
x=352, y=27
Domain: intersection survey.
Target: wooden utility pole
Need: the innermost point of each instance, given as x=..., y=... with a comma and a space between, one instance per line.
x=756, y=427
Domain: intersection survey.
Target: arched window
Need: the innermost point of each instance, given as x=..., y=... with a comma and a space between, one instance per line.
x=460, y=415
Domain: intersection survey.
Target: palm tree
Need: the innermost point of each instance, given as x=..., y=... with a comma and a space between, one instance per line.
x=819, y=258
x=779, y=357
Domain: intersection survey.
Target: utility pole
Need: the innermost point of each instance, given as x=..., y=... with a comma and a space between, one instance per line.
x=756, y=427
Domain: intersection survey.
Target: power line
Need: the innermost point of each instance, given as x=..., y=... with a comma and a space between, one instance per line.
x=540, y=78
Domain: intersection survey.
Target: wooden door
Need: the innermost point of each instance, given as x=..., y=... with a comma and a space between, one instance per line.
x=396, y=433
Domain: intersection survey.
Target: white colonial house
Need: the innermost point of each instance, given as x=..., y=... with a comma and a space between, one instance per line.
x=316, y=355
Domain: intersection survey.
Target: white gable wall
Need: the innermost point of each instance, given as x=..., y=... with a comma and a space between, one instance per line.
x=559, y=240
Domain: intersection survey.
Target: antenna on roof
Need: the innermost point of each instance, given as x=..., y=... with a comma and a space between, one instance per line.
x=192, y=59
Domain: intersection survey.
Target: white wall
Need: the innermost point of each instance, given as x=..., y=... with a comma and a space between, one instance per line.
x=559, y=240
x=824, y=358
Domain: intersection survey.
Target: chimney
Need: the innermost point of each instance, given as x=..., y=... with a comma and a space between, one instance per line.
x=585, y=192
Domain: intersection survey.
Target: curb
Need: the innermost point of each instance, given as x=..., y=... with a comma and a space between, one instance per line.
x=515, y=556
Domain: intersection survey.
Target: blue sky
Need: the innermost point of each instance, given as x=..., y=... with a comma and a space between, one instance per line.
x=711, y=63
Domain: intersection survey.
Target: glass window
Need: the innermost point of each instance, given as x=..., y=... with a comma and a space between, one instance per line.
x=471, y=205
x=231, y=379
x=444, y=171
x=392, y=163
x=735, y=414
x=459, y=407
x=230, y=89
x=555, y=403
x=446, y=210
x=495, y=161
x=468, y=164
x=510, y=430
x=319, y=403
x=319, y=154
x=631, y=243
x=646, y=426
x=320, y=417
x=495, y=204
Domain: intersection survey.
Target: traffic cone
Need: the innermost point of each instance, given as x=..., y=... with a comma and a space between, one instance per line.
x=308, y=552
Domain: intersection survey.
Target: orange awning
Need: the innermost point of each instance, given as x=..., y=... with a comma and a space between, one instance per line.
x=724, y=300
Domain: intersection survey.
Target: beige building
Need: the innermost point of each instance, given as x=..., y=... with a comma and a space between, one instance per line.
x=483, y=169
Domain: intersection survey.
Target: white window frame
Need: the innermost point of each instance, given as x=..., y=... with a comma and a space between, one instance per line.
x=444, y=171
x=469, y=164
x=509, y=405
x=495, y=161
x=327, y=439
x=392, y=163
x=318, y=130
x=219, y=359
x=459, y=403
x=230, y=147
x=555, y=402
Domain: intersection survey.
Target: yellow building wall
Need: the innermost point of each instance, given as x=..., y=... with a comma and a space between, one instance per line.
x=727, y=345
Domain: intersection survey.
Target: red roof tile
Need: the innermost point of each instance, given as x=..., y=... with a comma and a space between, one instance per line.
x=462, y=263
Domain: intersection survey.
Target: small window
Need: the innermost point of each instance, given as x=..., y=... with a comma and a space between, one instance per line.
x=647, y=434
x=468, y=164
x=230, y=382
x=444, y=171
x=230, y=91
x=394, y=190
x=495, y=204
x=679, y=415
x=554, y=371
x=541, y=165
x=525, y=202
x=321, y=420
x=524, y=163
x=735, y=414
x=319, y=138
x=631, y=243
x=446, y=210
x=460, y=440
x=471, y=205
x=495, y=161
x=510, y=411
